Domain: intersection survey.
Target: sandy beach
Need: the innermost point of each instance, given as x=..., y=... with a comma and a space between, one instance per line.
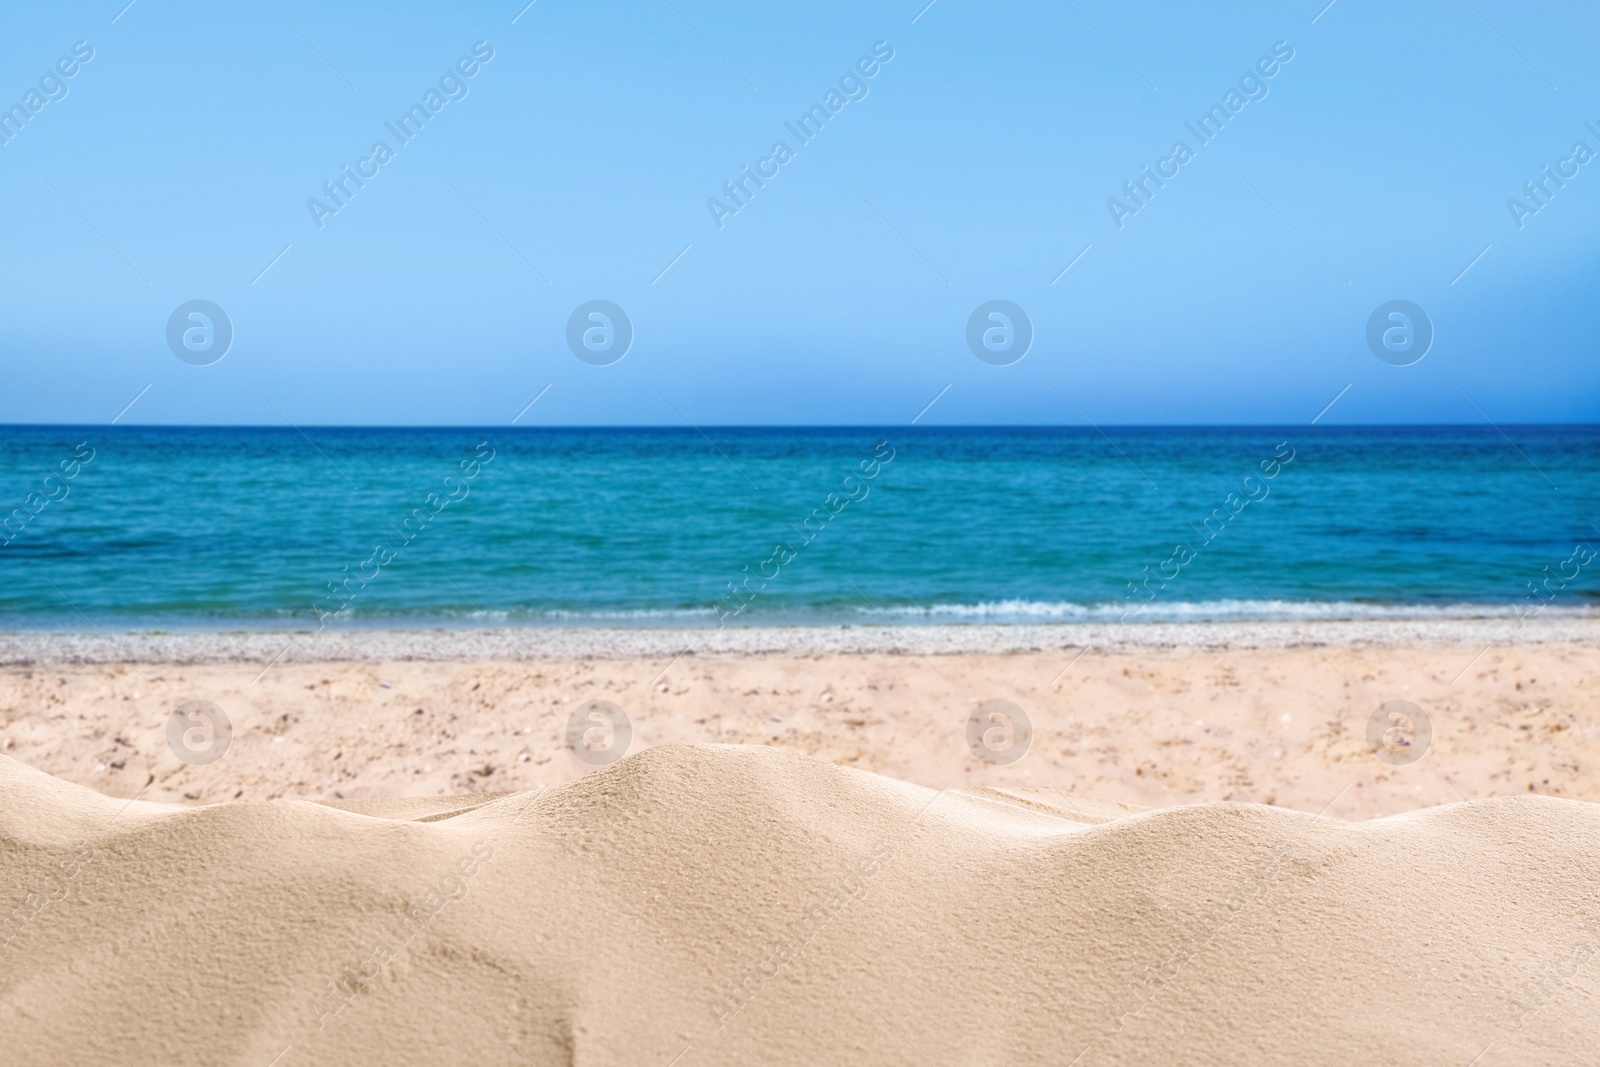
x=1177, y=845
x=804, y=535
x=1258, y=713
x=698, y=905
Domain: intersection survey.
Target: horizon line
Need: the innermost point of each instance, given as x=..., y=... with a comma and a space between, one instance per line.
x=696, y=428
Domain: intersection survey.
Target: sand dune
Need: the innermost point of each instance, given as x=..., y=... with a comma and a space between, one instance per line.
x=697, y=905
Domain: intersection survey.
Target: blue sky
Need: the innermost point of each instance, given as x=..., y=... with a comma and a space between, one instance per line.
x=980, y=162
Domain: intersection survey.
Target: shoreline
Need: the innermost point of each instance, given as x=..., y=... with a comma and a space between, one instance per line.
x=37, y=647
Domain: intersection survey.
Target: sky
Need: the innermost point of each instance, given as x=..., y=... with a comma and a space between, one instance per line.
x=983, y=159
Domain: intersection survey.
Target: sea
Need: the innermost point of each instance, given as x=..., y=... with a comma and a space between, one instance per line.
x=225, y=528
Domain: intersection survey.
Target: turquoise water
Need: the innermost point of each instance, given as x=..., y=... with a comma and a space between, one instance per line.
x=236, y=528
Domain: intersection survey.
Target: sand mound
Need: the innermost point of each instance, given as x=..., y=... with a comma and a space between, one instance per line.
x=715, y=905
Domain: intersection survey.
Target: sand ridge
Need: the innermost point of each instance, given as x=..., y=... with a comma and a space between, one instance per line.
x=733, y=904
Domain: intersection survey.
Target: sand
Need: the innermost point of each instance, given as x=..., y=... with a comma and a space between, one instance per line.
x=1200, y=855
x=1279, y=723
x=696, y=905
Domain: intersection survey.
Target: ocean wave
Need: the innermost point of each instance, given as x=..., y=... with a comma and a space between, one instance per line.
x=1001, y=611
x=1014, y=612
